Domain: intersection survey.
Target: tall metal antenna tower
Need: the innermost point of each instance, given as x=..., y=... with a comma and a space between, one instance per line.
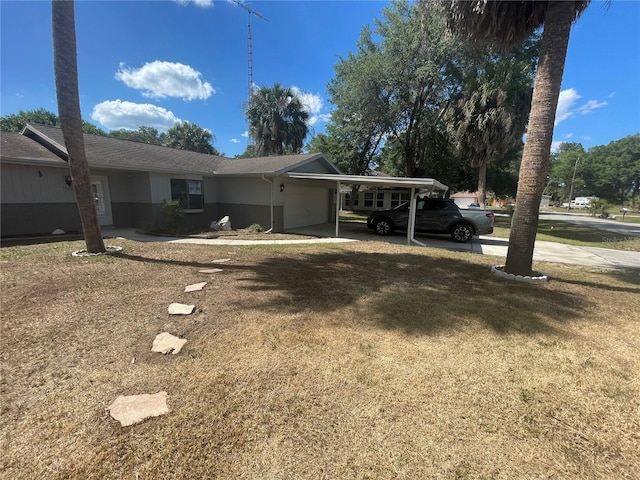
x=250, y=11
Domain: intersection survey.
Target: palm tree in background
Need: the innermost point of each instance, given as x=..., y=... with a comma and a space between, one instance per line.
x=504, y=24
x=490, y=117
x=66, y=78
x=192, y=137
x=277, y=121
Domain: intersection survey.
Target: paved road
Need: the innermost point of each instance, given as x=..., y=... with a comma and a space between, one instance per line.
x=614, y=226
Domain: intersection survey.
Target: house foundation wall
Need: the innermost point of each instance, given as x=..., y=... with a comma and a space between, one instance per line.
x=242, y=216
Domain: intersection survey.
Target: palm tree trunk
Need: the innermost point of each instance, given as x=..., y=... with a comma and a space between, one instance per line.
x=535, y=158
x=66, y=76
x=482, y=183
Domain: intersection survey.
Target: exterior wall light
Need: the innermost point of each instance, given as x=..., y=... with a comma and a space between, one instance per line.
x=282, y=187
x=67, y=180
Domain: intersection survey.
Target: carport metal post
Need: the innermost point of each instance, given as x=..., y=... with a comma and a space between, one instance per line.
x=412, y=217
x=337, y=207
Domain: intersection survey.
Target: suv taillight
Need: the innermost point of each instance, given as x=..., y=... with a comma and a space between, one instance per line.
x=490, y=215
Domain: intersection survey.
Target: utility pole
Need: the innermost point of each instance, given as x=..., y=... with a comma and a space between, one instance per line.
x=573, y=180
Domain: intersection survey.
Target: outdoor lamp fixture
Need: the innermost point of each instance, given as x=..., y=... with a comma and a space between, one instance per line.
x=67, y=180
x=282, y=187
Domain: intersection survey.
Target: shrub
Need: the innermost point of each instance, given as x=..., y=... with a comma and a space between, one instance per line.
x=172, y=217
x=255, y=228
x=599, y=207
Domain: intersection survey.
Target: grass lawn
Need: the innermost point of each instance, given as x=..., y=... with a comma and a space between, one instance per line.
x=352, y=361
x=572, y=234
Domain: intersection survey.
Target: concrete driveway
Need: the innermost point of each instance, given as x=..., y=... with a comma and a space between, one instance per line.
x=484, y=245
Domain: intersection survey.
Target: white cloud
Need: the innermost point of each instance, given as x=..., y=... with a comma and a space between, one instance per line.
x=116, y=114
x=555, y=145
x=197, y=3
x=313, y=104
x=245, y=134
x=235, y=140
x=565, y=103
x=567, y=107
x=166, y=79
x=590, y=106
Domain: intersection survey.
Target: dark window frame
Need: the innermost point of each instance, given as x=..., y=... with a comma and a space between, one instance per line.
x=190, y=193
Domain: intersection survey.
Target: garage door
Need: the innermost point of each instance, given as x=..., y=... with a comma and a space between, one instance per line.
x=305, y=206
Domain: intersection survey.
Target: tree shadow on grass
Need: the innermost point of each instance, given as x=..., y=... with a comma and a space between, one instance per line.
x=164, y=261
x=413, y=293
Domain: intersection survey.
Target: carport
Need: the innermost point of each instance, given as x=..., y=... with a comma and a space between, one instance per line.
x=417, y=186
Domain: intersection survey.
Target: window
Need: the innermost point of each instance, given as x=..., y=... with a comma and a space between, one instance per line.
x=368, y=199
x=189, y=192
x=380, y=200
x=397, y=198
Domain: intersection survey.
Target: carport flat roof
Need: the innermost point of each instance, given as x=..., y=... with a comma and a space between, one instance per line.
x=419, y=183
x=412, y=183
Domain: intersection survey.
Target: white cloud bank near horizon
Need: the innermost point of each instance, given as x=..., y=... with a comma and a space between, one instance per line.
x=160, y=79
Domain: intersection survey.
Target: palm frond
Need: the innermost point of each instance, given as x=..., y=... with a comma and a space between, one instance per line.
x=501, y=22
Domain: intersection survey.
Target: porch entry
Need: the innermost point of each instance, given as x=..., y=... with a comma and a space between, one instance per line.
x=100, y=187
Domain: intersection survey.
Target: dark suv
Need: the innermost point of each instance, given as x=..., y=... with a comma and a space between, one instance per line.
x=434, y=215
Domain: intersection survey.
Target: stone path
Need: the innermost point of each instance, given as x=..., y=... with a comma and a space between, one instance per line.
x=132, y=409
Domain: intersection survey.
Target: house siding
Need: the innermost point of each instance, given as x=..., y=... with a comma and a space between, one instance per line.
x=34, y=184
x=38, y=218
x=35, y=197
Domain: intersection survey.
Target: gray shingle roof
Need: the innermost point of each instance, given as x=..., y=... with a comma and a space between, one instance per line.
x=114, y=153
x=14, y=146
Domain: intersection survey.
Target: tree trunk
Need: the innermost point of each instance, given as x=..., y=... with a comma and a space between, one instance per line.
x=537, y=149
x=66, y=76
x=482, y=183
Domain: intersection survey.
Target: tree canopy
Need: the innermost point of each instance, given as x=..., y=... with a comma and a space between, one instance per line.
x=192, y=137
x=611, y=172
x=401, y=97
x=15, y=122
x=183, y=135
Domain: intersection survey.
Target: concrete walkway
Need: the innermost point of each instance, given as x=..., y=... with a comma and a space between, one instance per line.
x=350, y=232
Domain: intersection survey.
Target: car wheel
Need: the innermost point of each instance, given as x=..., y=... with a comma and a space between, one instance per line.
x=383, y=226
x=462, y=233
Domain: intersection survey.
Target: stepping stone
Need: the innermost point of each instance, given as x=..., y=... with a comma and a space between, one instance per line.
x=195, y=287
x=132, y=409
x=211, y=270
x=221, y=260
x=165, y=343
x=181, y=309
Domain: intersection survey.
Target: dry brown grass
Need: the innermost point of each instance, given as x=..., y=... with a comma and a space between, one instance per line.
x=365, y=360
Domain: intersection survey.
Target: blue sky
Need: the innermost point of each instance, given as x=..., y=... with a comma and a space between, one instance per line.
x=155, y=62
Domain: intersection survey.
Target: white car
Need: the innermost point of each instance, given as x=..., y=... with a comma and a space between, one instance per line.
x=579, y=205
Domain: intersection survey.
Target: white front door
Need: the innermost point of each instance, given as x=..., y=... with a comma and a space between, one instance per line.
x=100, y=187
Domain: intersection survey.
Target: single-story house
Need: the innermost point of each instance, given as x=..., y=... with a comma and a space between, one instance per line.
x=132, y=180
x=464, y=199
